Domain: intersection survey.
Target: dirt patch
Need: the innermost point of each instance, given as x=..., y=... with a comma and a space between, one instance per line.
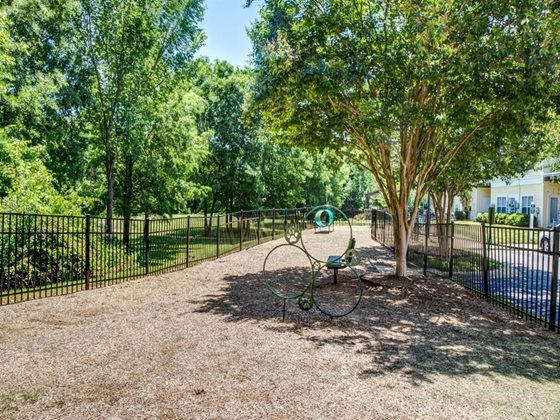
x=209, y=342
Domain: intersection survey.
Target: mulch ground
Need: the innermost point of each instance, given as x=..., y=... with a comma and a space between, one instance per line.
x=209, y=342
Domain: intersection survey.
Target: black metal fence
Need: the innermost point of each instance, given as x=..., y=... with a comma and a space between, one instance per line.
x=43, y=255
x=514, y=268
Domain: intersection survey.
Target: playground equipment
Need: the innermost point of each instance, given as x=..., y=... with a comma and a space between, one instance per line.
x=331, y=295
x=323, y=220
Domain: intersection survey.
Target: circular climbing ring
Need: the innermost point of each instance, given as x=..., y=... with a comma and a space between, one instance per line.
x=323, y=309
x=270, y=287
x=307, y=298
x=332, y=214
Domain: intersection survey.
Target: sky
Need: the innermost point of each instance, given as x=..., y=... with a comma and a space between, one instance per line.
x=225, y=23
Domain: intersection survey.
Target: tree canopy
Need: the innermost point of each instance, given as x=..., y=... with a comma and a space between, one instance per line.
x=103, y=108
x=402, y=87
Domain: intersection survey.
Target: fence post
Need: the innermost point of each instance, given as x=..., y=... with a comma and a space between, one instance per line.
x=188, y=238
x=426, y=238
x=384, y=225
x=374, y=222
x=451, y=250
x=285, y=220
x=427, y=234
x=273, y=223
x=554, y=280
x=259, y=227
x=146, y=245
x=218, y=237
x=88, y=246
x=240, y=223
x=485, y=262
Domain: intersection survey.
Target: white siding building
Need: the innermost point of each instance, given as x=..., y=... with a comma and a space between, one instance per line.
x=540, y=186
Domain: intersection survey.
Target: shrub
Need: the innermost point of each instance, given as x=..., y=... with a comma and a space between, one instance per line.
x=518, y=219
x=460, y=215
x=482, y=217
x=501, y=219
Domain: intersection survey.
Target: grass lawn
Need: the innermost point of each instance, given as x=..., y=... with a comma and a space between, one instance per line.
x=497, y=234
x=463, y=261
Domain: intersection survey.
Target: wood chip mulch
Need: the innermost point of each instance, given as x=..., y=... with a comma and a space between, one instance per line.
x=209, y=342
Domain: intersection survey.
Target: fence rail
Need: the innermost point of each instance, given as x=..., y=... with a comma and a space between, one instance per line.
x=514, y=268
x=44, y=255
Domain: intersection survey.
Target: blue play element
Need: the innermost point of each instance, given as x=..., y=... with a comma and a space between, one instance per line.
x=323, y=218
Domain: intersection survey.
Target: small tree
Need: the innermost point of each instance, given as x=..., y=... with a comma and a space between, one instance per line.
x=402, y=87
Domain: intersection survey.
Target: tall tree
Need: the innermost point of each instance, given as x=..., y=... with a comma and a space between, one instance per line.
x=285, y=170
x=46, y=89
x=326, y=179
x=231, y=170
x=161, y=148
x=403, y=86
x=134, y=49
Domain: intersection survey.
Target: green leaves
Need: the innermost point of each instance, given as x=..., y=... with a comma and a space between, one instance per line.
x=406, y=85
x=26, y=185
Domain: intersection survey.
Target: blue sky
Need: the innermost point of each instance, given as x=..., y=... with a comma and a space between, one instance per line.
x=225, y=23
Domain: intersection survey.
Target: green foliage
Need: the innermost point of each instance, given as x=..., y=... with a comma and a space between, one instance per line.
x=162, y=152
x=403, y=87
x=285, y=171
x=26, y=185
x=510, y=219
x=359, y=183
x=106, y=107
x=326, y=179
x=501, y=218
x=482, y=217
x=246, y=167
x=231, y=171
x=106, y=97
x=460, y=215
x=518, y=219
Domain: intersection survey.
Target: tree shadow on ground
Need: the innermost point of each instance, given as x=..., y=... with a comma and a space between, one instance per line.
x=418, y=326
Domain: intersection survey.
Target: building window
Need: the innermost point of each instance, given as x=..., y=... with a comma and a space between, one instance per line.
x=526, y=201
x=501, y=205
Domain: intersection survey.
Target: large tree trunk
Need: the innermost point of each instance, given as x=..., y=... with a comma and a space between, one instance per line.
x=110, y=199
x=401, y=247
x=127, y=200
x=208, y=218
x=110, y=177
x=403, y=224
x=443, y=204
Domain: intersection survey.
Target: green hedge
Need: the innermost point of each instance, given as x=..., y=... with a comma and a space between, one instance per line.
x=482, y=217
x=510, y=219
x=460, y=215
x=518, y=219
x=501, y=219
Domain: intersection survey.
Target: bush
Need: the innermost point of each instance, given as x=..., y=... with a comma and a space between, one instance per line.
x=510, y=219
x=518, y=219
x=482, y=217
x=460, y=215
x=501, y=219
